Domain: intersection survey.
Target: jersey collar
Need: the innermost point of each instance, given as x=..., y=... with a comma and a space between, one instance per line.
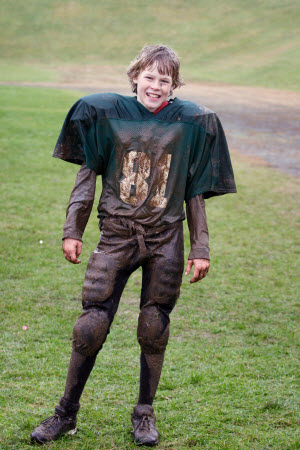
x=159, y=112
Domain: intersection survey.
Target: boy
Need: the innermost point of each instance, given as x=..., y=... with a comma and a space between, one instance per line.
x=153, y=154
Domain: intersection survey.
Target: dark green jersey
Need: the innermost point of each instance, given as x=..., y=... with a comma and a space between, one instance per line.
x=149, y=163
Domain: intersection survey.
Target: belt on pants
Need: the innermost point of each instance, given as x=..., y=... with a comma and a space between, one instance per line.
x=140, y=233
x=140, y=230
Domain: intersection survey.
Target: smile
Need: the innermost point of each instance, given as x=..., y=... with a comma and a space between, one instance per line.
x=153, y=95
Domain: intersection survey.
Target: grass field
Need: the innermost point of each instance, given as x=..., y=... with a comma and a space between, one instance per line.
x=231, y=376
x=251, y=43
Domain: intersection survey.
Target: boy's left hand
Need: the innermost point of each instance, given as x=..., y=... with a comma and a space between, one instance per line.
x=201, y=267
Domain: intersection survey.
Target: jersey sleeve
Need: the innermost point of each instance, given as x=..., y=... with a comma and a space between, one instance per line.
x=80, y=204
x=79, y=141
x=210, y=170
x=197, y=223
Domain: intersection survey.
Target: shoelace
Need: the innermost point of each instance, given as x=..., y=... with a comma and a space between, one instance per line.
x=50, y=421
x=144, y=423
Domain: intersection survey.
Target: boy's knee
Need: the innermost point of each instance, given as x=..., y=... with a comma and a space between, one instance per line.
x=153, y=330
x=90, y=332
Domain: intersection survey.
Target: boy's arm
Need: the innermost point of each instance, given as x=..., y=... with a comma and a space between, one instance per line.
x=197, y=223
x=78, y=213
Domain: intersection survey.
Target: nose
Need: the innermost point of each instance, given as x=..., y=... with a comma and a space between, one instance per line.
x=155, y=84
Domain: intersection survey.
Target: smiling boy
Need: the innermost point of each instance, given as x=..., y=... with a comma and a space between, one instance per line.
x=153, y=153
x=153, y=89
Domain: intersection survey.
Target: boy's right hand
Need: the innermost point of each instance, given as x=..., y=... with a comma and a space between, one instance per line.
x=72, y=249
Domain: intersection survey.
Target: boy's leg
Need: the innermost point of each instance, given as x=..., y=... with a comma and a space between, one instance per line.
x=101, y=293
x=105, y=279
x=91, y=329
x=162, y=276
x=89, y=335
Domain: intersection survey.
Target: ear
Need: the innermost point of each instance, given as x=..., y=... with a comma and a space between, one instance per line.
x=135, y=85
x=171, y=90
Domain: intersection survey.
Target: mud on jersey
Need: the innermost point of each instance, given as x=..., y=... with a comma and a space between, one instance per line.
x=149, y=163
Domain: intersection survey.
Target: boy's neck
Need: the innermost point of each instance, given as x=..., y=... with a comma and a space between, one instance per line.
x=163, y=105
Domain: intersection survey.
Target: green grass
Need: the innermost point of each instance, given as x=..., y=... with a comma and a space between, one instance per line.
x=231, y=374
x=12, y=71
x=251, y=43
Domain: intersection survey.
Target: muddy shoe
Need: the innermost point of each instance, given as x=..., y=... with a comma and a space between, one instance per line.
x=50, y=429
x=144, y=429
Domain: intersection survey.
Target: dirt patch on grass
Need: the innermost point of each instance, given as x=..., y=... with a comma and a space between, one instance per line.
x=261, y=123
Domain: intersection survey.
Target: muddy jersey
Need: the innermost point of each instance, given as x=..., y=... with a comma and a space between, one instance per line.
x=149, y=163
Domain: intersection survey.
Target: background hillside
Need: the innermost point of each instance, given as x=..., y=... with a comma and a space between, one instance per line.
x=239, y=42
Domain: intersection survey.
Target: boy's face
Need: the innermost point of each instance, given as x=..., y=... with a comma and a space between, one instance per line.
x=152, y=88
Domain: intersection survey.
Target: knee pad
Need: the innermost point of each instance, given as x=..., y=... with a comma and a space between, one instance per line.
x=153, y=330
x=164, y=283
x=90, y=331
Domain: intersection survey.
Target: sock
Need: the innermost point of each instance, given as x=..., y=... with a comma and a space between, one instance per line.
x=79, y=370
x=151, y=366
